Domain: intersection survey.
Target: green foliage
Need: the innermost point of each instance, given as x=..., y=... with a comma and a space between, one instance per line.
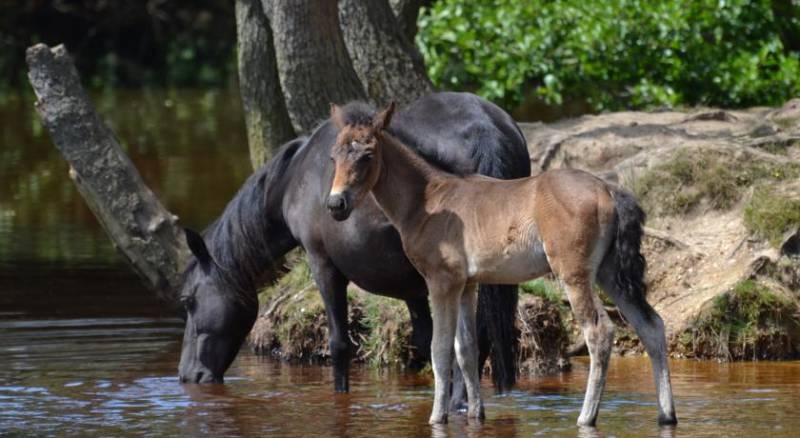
x=612, y=54
x=750, y=321
x=542, y=288
x=692, y=175
x=769, y=215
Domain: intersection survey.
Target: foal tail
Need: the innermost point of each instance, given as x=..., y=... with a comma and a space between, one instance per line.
x=629, y=263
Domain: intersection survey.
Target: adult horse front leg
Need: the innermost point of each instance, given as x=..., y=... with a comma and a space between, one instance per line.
x=333, y=287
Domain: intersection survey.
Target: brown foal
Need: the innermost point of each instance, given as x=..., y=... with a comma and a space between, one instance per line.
x=462, y=230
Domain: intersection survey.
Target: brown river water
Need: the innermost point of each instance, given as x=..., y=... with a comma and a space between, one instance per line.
x=84, y=350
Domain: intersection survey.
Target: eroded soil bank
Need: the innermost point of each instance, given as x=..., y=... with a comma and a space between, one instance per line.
x=722, y=193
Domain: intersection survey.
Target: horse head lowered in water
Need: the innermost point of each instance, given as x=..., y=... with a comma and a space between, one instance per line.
x=283, y=205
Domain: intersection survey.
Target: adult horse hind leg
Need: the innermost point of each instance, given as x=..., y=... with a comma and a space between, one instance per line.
x=333, y=288
x=650, y=329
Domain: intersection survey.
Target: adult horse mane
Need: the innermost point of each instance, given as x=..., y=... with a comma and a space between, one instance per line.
x=244, y=220
x=282, y=206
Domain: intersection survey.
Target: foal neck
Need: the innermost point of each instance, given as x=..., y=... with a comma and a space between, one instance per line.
x=404, y=179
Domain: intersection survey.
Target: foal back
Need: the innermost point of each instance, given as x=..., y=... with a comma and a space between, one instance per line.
x=512, y=231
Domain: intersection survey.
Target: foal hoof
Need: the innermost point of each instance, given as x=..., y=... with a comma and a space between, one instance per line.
x=476, y=414
x=438, y=419
x=664, y=420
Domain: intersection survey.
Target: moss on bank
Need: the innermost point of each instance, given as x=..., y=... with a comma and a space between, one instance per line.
x=751, y=321
x=769, y=214
x=715, y=177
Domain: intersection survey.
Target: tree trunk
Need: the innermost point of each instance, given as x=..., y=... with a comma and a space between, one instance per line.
x=389, y=66
x=139, y=226
x=407, y=12
x=313, y=63
x=268, y=124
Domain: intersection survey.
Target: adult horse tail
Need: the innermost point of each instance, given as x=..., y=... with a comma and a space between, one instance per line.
x=628, y=259
x=497, y=331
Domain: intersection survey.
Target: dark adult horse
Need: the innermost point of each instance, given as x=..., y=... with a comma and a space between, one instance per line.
x=283, y=205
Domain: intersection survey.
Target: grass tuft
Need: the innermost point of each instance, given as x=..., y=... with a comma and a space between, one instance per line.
x=769, y=215
x=693, y=176
x=748, y=322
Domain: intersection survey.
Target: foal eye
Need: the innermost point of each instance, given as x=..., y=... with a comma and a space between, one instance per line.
x=365, y=158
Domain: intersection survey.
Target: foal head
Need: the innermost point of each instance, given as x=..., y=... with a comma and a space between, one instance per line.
x=357, y=159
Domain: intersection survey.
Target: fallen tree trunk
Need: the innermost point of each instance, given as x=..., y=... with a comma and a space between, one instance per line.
x=144, y=232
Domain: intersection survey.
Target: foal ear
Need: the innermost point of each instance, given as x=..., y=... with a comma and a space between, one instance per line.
x=383, y=118
x=337, y=116
x=198, y=247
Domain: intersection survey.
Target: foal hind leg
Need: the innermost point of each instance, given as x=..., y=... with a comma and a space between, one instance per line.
x=598, y=331
x=466, y=347
x=650, y=329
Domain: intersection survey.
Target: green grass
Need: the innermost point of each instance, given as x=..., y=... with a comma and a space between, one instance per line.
x=544, y=288
x=749, y=322
x=693, y=176
x=768, y=215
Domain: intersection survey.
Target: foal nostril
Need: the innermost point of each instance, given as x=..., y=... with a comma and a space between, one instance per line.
x=198, y=377
x=337, y=203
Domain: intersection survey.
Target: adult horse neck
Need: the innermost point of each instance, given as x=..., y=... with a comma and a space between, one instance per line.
x=283, y=205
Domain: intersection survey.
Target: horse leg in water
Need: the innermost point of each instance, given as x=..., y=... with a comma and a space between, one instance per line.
x=422, y=329
x=333, y=287
x=650, y=329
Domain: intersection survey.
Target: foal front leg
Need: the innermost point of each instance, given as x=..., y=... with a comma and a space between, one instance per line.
x=467, y=351
x=444, y=307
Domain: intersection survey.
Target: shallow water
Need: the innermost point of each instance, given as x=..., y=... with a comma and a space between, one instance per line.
x=84, y=350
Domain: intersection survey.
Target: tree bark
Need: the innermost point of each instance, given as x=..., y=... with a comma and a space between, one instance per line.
x=407, y=12
x=140, y=227
x=388, y=65
x=313, y=64
x=266, y=118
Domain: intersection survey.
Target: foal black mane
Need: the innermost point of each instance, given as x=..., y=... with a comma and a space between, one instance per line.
x=240, y=240
x=359, y=113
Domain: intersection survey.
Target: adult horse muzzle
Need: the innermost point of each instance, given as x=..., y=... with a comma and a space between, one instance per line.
x=339, y=206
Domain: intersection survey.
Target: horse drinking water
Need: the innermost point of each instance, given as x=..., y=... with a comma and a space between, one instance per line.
x=461, y=230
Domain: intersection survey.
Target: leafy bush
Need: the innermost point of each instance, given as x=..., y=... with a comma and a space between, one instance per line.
x=615, y=53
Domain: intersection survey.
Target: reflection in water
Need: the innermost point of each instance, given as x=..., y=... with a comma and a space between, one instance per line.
x=189, y=146
x=75, y=368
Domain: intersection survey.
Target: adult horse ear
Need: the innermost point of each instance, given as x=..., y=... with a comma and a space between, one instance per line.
x=336, y=116
x=383, y=118
x=198, y=247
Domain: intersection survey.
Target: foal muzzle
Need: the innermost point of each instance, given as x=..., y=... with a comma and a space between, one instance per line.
x=339, y=206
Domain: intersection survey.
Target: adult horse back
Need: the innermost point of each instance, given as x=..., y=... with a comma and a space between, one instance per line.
x=282, y=205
